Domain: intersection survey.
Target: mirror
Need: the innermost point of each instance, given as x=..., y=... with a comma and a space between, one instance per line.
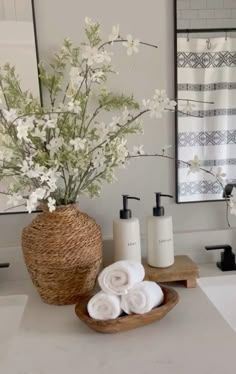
x=19, y=48
x=206, y=77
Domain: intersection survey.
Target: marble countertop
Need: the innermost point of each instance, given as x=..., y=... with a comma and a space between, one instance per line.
x=192, y=338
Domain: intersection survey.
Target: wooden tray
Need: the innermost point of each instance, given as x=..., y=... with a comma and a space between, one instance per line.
x=128, y=322
x=184, y=270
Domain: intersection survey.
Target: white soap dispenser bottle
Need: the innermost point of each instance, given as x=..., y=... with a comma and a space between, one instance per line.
x=126, y=234
x=160, y=246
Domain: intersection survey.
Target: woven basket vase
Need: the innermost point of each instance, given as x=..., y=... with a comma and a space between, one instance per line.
x=63, y=254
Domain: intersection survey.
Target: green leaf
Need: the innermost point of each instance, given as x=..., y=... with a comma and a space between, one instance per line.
x=112, y=101
x=92, y=33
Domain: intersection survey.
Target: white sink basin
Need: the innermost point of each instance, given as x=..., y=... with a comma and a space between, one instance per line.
x=11, y=312
x=222, y=293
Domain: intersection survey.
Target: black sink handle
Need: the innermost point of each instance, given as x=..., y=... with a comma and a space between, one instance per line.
x=226, y=247
x=4, y=265
x=227, y=262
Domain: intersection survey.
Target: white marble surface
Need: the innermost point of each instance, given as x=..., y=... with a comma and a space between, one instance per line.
x=192, y=338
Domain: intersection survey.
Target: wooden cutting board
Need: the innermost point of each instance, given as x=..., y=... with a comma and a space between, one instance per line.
x=184, y=270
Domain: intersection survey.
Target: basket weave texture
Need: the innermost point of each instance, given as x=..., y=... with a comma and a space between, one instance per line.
x=63, y=254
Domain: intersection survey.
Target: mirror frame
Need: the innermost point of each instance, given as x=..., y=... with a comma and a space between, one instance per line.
x=36, y=50
x=176, y=119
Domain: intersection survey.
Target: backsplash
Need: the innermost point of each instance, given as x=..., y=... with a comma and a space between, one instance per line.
x=190, y=243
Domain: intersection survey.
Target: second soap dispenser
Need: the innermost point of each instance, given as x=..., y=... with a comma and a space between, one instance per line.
x=160, y=247
x=126, y=234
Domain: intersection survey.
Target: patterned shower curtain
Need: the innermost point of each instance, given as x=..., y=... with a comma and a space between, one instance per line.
x=206, y=72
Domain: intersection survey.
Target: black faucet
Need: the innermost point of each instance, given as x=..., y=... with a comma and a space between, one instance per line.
x=4, y=265
x=227, y=262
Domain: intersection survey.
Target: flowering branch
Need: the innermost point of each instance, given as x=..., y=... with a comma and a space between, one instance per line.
x=193, y=165
x=66, y=150
x=125, y=41
x=178, y=161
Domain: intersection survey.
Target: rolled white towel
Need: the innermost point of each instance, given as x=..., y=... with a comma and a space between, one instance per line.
x=103, y=306
x=120, y=277
x=142, y=298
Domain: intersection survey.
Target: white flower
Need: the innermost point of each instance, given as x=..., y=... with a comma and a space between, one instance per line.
x=39, y=194
x=160, y=95
x=6, y=155
x=104, y=56
x=30, y=205
x=146, y=103
x=188, y=107
x=24, y=167
x=74, y=106
x=122, y=151
x=39, y=134
x=23, y=127
x=22, y=132
x=114, y=122
x=51, y=204
x=114, y=34
x=50, y=177
x=75, y=76
x=34, y=197
x=158, y=104
x=89, y=22
x=138, y=151
x=98, y=158
x=78, y=144
x=36, y=171
x=195, y=165
x=102, y=130
x=220, y=174
x=97, y=77
x=10, y=115
x=156, y=110
x=55, y=144
x=131, y=45
x=30, y=170
x=51, y=123
x=162, y=102
x=40, y=122
x=170, y=105
x=14, y=199
x=91, y=54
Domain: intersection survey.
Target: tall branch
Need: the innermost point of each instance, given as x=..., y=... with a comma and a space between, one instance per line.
x=179, y=162
x=125, y=40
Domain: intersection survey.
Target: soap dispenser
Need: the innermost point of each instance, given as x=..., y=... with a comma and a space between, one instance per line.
x=160, y=247
x=126, y=234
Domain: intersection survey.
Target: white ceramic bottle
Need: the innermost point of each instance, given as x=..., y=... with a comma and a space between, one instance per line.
x=126, y=234
x=160, y=246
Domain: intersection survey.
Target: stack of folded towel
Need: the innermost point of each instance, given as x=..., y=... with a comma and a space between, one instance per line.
x=123, y=290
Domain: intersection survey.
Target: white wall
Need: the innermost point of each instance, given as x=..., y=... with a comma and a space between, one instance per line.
x=151, y=20
x=17, y=46
x=15, y=10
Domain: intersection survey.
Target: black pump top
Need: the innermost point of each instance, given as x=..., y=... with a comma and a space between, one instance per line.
x=126, y=213
x=159, y=210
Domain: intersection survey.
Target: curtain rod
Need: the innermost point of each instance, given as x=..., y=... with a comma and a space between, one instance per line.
x=188, y=31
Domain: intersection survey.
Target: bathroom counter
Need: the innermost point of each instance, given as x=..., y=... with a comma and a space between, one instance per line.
x=192, y=338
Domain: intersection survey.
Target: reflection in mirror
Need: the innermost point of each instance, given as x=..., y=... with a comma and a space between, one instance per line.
x=18, y=48
x=206, y=72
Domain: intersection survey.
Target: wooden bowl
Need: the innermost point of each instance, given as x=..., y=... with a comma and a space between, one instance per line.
x=128, y=322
